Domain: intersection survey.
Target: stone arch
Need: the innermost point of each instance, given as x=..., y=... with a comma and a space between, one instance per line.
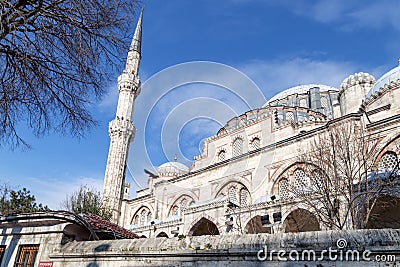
x=287, y=172
x=279, y=173
x=386, y=142
x=162, y=234
x=139, y=211
x=255, y=143
x=300, y=220
x=240, y=181
x=254, y=226
x=392, y=145
x=385, y=213
x=177, y=203
x=204, y=226
x=187, y=194
x=239, y=187
x=221, y=155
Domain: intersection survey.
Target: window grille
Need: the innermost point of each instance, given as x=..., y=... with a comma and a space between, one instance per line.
x=175, y=211
x=300, y=179
x=232, y=195
x=243, y=197
x=237, y=147
x=143, y=218
x=317, y=182
x=183, y=204
x=221, y=155
x=289, y=116
x=26, y=255
x=256, y=143
x=388, y=161
x=2, y=250
x=283, y=188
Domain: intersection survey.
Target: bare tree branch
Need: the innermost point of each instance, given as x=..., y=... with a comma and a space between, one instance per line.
x=56, y=56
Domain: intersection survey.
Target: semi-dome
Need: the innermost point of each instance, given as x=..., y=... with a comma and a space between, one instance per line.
x=300, y=89
x=172, y=168
x=390, y=76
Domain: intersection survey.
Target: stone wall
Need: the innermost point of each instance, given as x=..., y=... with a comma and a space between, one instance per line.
x=235, y=250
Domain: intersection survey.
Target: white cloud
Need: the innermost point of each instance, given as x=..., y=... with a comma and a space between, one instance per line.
x=349, y=14
x=278, y=75
x=110, y=100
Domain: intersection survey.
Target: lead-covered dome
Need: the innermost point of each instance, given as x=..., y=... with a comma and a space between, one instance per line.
x=172, y=168
x=299, y=90
x=392, y=76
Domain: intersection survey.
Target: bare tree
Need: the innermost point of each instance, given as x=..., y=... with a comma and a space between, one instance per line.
x=86, y=200
x=55, y=55
x=340, y=190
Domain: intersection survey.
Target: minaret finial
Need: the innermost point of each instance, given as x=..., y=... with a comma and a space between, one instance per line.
x=136, y=44
x=398, y=61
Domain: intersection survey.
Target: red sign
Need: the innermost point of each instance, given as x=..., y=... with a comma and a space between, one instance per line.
x=46, y=264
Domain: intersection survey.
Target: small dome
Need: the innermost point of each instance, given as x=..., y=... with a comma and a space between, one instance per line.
x=172, y=168
x=391, y=76
x=357, y=78
x=300, y=89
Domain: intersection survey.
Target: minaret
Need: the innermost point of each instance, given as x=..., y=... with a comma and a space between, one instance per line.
x=121, y=129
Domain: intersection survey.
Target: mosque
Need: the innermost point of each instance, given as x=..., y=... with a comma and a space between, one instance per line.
x=240, y=183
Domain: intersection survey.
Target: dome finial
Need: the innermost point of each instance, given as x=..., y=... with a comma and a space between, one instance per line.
x=398, y=61
x=175, y=158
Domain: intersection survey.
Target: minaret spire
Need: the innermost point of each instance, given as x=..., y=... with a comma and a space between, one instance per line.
x=135, y=49
x=136, y=44
x=122, y=131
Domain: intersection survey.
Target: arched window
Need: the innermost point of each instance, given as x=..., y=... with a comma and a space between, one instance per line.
x=317, y=180
x=149, y=215
x=283, y=188
x=244, y=197
x=300, y=179
x=183, y=204
x=255, y=144
x=221, y=155
x=232, y=195
x=136, y=220
x=175, y=210
x=388, y=161
x=289, y=116
x=237, y=147
x=143, y=217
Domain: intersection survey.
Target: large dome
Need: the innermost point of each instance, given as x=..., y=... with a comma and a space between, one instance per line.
x=172, y=168
x=300, y=89
x=390, y=76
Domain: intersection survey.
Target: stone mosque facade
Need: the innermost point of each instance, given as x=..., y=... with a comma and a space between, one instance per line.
x=239, y=183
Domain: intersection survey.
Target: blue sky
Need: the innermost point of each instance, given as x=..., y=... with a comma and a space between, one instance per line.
x=275, y=44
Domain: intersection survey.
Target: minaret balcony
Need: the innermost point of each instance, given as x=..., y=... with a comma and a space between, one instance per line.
x=129, y=82
x=121, y=127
